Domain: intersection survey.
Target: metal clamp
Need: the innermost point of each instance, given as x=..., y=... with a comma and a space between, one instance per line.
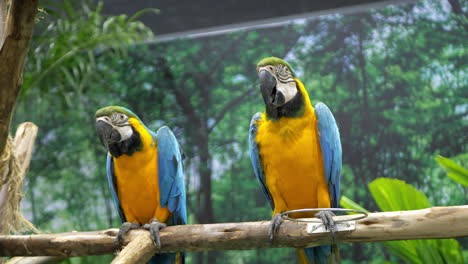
x=285, y=215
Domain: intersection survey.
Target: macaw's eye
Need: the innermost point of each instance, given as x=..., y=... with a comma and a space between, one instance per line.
x=271, y=68
x=122, y=117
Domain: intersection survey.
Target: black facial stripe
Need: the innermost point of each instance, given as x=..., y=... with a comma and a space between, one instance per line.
x=283, y=74
x=286, y=80
x=293, y=108
x=128, y=146
x=122, y=125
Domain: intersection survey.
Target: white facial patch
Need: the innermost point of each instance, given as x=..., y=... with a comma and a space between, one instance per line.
x=124, y=131
x=288, y=89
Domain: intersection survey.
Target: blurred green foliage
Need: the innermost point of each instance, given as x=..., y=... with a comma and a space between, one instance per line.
x=72, y=34
x=454, y=171
x=396, y=195
x=395, y=79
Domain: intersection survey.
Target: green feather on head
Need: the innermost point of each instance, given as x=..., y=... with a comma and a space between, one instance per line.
x=275, y=61
x=108, y=110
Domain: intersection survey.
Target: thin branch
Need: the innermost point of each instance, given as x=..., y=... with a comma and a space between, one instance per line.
x=35, y=260
x=229, y=106
x=431, y=223
x=140, y=250
x=229, y=50
x=181, y=98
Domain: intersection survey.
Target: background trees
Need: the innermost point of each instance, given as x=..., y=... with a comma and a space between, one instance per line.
x=395, y=79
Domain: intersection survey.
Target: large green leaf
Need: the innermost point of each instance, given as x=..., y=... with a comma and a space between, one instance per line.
x=396, y=195
x=350, y=204
x=454, y=171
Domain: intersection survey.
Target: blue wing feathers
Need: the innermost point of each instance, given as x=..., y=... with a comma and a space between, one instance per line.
x=256, y=159
x=171, y=184
x=331, y=153
x=171, y=175
x=111, y=182
x=331, y=150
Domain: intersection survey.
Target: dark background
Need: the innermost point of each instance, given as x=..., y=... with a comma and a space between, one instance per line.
x=179, y=16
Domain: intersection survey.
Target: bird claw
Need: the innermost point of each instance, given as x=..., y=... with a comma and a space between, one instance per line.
x=276, y=222
x=123, y=230
x=154, y=228
x=328, y=222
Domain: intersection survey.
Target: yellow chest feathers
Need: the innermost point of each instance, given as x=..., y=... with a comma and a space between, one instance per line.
x=292, y=162
x=288, y=140
x=137, y=179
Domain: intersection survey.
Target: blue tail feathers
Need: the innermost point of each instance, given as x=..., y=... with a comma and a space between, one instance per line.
x=318, y=255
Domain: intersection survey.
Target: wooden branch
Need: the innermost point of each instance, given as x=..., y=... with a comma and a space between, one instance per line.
x=35, y=260
x=16, y=33
x=23, y=145
x=3, y=12
x=140, y=250
x=431, y=223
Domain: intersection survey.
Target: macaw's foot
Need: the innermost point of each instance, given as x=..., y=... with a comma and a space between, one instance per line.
x=276, y=221
x=123, y=231
x=327, y=219
x=154, y=228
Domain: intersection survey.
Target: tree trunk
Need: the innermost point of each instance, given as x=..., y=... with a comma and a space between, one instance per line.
x=456, y=7
x=16, y=34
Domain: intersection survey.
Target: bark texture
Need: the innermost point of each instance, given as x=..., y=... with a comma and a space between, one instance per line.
x=431, y=223
x=17, y=27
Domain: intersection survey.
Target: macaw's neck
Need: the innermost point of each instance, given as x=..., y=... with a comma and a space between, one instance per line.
x=128, y=146
x=297, y=107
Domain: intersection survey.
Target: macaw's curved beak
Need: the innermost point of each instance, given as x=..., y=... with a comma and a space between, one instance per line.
x=107, y=133
x=271, y=95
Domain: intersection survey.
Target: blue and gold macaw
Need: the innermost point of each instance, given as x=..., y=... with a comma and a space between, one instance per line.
x=296, y=153
x=145, y=175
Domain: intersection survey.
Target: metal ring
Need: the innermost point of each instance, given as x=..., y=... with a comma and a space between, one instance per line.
x=284, y=215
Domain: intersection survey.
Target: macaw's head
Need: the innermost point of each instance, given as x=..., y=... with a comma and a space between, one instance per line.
x=116, y=132
x=280, y=89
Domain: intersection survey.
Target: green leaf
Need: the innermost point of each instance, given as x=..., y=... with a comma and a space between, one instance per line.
x=454, y=171
x=69, y=38
x=350, y=204
x=396, y=195
x=143, y=11
x=405, y=249
x=450, y=250
x=429, y=253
